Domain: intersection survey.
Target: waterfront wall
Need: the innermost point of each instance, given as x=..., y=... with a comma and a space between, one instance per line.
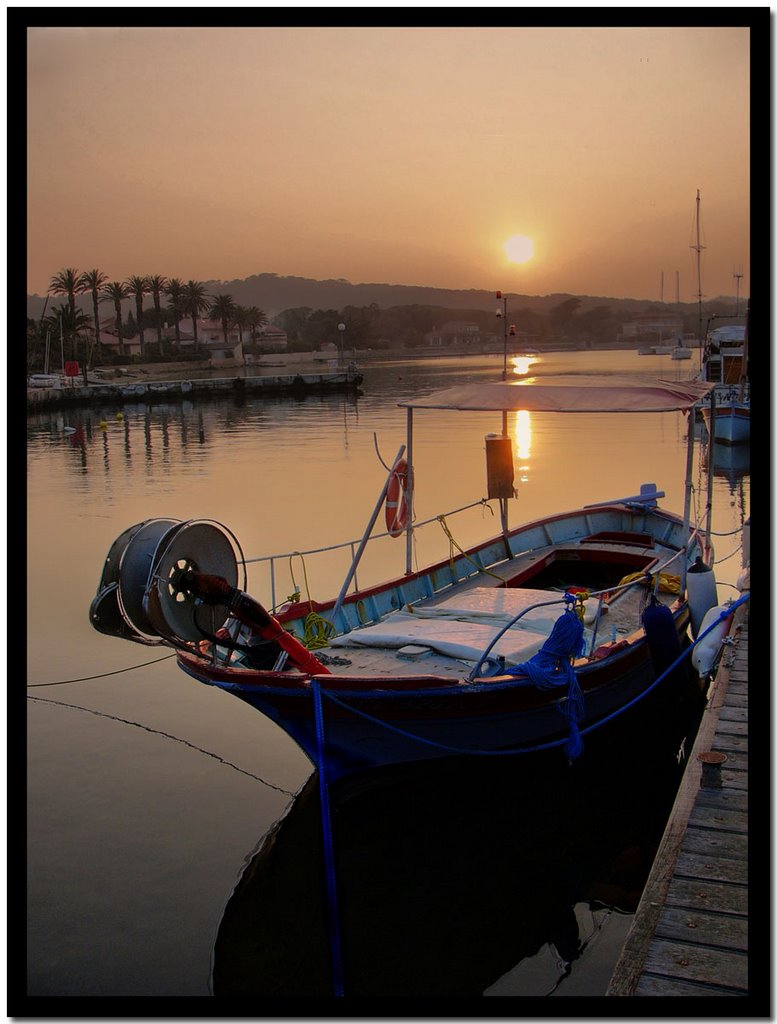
x=165, y=391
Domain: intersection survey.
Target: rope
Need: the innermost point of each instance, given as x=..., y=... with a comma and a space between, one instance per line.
x=316, y=630
x=329, y=861
x=667, y=583
x=736, y=550
x=164, y=735
x=453, y=544
x=481, y=502
x=731, y=533
x=551, y=667
x=102, y=675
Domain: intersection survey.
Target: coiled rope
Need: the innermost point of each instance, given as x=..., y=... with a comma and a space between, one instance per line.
x=316, y=630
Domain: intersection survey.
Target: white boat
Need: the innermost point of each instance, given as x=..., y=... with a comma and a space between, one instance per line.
x=726, y=411
x=725, y=366
x=681, y=352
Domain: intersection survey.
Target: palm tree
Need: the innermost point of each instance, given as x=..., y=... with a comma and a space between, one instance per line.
x=240, y=320
x=196, y=301
x=255, y=317
x=174, y=290
x=92, y=281
x=117, y=291
x=156, y=285
x=223, y=308
x=67, y=282
x=69, y=324
x=138, y=286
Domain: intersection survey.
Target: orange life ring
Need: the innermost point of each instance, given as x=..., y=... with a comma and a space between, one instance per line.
x=396, y=506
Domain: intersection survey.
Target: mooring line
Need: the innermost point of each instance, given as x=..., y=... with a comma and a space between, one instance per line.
x=102, y=675
x=165, y=735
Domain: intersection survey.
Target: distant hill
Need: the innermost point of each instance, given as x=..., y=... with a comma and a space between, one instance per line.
x=274, y=294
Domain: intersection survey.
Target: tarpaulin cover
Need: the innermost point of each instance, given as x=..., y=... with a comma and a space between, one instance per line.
x=572, y=393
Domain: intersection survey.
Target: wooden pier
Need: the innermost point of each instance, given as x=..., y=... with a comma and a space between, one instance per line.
x=689, y=936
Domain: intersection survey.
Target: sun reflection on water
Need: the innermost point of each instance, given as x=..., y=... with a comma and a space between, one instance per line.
x=522, y=438
x=521, y=364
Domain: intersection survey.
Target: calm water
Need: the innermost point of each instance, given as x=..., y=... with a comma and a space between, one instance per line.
x=150, y=793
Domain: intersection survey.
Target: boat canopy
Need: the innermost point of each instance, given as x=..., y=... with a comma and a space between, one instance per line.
x=571, y=393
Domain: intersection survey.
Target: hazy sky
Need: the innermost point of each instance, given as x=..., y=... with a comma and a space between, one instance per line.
x=394, y=155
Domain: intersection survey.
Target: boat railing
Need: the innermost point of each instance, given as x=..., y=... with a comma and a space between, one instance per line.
x=272, y=561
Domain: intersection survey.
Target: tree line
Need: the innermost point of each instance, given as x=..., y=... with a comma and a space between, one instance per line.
x=307, y=329
x=182, y=299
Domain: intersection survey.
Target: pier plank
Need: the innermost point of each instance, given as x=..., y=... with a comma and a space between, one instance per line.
x=703, y=927
x=711, y=844
x=734, y=800
x=711, y=866
x=697, y=963
x=662, y=986
x=720, y=818
x=695, y=894
x=728, y=714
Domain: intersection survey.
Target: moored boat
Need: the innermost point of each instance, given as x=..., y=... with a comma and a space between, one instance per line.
x=522, y=642
x=725, y=366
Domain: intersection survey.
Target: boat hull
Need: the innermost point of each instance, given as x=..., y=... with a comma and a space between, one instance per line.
x=420, y=719
x=732, y=422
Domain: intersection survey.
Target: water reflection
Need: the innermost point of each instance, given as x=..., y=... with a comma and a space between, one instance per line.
x=461, y=877
x=522, y=435
x=164, y=435
x=521, y=364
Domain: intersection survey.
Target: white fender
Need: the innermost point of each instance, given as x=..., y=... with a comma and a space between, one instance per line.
x=705, y=653
x=702, y=593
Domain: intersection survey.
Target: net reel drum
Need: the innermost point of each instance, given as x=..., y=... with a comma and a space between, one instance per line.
x=140, y=596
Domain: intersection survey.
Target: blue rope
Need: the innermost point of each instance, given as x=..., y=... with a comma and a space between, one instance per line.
x=551, y=743
x=551, y=667
x=326, y=826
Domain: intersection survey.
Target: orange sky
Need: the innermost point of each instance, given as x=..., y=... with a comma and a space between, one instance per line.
x=393, y=155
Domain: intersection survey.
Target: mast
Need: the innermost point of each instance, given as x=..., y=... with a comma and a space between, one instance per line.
x=698, y=247
x=743, y=375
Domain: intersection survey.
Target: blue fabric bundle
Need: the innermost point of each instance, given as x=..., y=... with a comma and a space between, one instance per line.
x=550, y=667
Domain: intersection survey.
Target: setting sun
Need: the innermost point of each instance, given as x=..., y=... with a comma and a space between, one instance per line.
x=519, y=248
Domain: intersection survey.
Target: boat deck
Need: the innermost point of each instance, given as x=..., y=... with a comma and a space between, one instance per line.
x=446, y=634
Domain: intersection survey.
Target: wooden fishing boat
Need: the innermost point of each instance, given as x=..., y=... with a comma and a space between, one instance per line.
x=523, y=642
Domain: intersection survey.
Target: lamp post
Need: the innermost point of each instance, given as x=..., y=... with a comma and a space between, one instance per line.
x=341, y=329
x=501, y=314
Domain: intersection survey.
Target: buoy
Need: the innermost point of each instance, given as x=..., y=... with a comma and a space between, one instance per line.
x=103, y=424
x=119, y=415
x=702, y=593
x=705, y=653
x=661, y=634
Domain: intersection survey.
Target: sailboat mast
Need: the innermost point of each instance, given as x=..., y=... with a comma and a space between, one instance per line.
x=743, y=374
x=698, y=247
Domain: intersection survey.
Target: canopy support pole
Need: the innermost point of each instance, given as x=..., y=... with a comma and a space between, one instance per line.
x=409, y=494
x=688, y=487
x=710, y=477
x=363, y=543
x=503, y=501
